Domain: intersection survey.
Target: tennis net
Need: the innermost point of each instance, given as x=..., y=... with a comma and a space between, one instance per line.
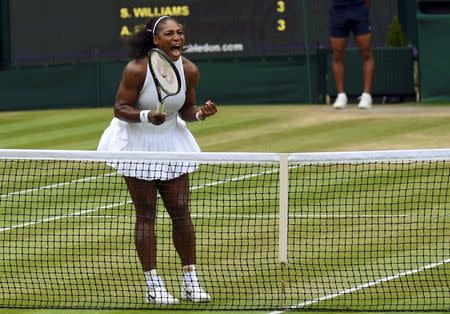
x=321, y=231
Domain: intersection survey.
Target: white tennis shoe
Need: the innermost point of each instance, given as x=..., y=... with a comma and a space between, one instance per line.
x=191, y=290
x=157, y=294
x=341, y=101
x=365, y=102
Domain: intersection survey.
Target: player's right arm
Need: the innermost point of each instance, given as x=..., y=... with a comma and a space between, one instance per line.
x=133, y=78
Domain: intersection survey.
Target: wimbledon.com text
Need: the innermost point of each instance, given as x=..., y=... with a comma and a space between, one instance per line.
x=204, y=48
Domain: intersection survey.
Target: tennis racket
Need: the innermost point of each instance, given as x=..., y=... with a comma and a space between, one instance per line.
x=165, y=75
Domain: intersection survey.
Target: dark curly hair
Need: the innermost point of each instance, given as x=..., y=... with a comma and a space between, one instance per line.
x=141, y=41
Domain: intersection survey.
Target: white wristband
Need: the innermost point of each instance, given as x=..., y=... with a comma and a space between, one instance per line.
x=143, y=115
x=199, y=116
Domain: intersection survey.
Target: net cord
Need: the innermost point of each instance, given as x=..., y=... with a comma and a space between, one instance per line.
x=85, y=155
x=356, y=156
x=371, y=156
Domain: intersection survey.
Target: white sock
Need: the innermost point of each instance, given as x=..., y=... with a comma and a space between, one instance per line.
x=151, y=276
x=190, y=274
x=342, y=94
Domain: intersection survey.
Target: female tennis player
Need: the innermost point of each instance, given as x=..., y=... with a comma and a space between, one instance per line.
x=138, y=126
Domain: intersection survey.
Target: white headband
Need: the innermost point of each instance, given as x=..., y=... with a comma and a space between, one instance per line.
x=156, y=23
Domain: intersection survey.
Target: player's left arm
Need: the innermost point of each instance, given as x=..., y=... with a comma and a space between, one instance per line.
x=189, y=112
x=367, y=2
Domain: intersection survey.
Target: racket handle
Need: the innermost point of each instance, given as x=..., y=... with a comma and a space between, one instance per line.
x=159, y=108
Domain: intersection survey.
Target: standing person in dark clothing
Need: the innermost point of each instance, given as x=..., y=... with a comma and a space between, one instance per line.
x=351, y=16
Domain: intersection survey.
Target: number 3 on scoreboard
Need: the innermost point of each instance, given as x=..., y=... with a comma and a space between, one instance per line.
x=281, y=27
x=281, y=6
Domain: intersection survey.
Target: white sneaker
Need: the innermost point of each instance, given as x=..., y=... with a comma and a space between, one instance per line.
x=341, y=101
x=191, y=291
x=157, y=294
x=365, y=101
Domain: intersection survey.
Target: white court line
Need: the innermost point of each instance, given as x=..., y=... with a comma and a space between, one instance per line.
x=80, y=213
x=255, y=216
x=51, y=186
x=83, y=212
x=363, y=286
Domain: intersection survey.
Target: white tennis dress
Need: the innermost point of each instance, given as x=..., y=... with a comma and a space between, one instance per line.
x=171, y=136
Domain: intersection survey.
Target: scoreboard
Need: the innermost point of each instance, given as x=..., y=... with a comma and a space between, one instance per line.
x=226, y=27
x=67, y=31
x=62, y=31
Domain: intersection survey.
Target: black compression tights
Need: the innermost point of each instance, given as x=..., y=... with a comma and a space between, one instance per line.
x=175, y=196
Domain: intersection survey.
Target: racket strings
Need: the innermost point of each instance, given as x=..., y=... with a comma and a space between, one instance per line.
x=164, y=73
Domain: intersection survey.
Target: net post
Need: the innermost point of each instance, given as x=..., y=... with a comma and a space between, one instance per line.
x=284, y=207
